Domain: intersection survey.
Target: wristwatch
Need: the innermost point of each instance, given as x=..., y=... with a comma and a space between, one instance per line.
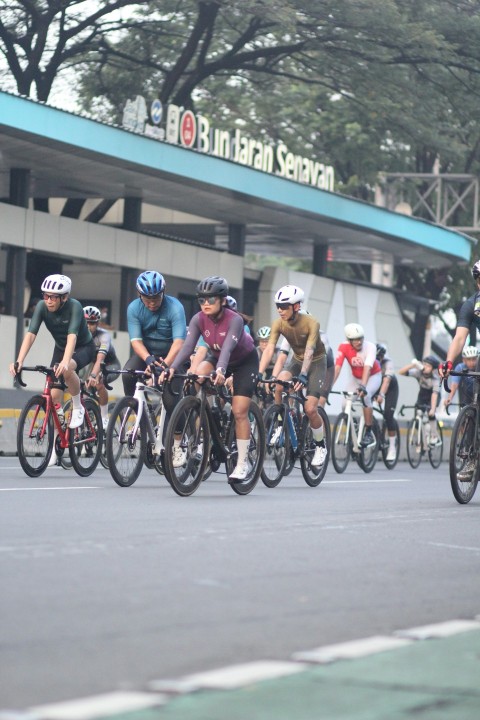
x=93, y=376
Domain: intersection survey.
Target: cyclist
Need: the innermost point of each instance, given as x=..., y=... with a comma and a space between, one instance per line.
x=366, y=374
x=308, y=361
x=388, y=394
x=105, y=355
x=230, y=352
x=426, y=374
x=465, y=385
x=74, y=345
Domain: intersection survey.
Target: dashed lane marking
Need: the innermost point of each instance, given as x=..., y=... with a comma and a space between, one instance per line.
x=98, y=706
x=350, y=650
x=33, y=489
x=438, y=630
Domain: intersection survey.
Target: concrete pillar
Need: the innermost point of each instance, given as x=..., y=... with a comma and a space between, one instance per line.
x=127, y=293
x=236, y=239
x=132, y=213
x=320, y=254
x=17, y=256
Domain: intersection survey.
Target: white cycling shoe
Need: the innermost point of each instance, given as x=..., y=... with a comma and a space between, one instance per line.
x=391, y=454
x=179, y=457
x=240, y=472
x=77, y=418
x=319, y=456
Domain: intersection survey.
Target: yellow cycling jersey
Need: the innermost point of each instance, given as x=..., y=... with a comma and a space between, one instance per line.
x=305, y=332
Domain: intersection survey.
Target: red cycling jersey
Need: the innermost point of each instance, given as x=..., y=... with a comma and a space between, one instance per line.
x=358, y=360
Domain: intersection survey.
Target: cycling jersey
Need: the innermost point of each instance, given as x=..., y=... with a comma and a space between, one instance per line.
x=103, y=344
x=158, y=329
x=429, y=384
x=470, y=312
x=226, y=339
x=67, y=320
x=305, y=332
x=358, y=360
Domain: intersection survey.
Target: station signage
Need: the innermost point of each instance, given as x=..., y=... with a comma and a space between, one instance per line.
x=185, y=128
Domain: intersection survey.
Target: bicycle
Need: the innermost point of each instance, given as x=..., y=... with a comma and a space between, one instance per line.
x=348, y=430
x=465, y=444
x=207, y=435
x=418, y=437
x=135, y=430
x=384, y=442
x=37, y=425
x=289, y=437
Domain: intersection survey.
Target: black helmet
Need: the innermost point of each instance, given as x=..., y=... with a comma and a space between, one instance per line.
x=214, y=285
x=476, y=270
x=432, y=360
x=381, y=351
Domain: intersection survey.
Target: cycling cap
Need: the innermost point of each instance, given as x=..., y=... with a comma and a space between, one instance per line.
x=58, y=284
x=263, y=333
x=470, y=351
x=381, y=350
x=231, y=302
x=431, y=360
x=354, y=331
x=213, y=285
x=289, y=294
x=92, y=313
x=476, y=270
x=150, y=283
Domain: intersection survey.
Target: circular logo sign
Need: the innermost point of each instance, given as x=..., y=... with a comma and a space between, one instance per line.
x=156, y=111
x=188, y=129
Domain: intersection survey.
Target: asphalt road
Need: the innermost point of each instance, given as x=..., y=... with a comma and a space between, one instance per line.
x=107, y=588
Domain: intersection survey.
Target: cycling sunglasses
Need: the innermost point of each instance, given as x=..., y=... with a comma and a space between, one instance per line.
x=46, y=296
x=283, y=306
x=211, y=300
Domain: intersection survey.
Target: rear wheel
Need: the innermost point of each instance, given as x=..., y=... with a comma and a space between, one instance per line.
x=341, y=443
x=314, y=474
x=414, y=442
x=103, y=456
x=35, y=436
x=435, y=452
x=255, y=455
x=86, y=441
x=463, y=455
x=277, y=446
x=187, y=435
x=385, y=445
x=368, y=456
x=126, y=442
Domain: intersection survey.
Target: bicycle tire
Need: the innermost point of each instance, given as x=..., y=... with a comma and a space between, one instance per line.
x=414, y=451
x=435, y=454
x=256, y=451
x=368, y=456
x=125, y=451
x=65, y=460
x=462, y=450
x=35, y=433
x=103, y=455
x=276, y=453
x=188, y=421
x=385, y=445
x=312, y=474
x=341, y=444
x=86, y=441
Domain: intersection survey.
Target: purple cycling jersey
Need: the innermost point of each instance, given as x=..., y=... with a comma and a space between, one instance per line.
x=225, y=337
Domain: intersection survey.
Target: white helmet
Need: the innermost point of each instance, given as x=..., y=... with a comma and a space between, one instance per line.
x=263, y=333
x=58, y=284
x=289, y=294
x=470, y=351
x=354, y=331
x=92, y=313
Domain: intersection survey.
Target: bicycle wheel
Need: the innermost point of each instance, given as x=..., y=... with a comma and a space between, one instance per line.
x=35, y=436
x=313, y=474
x=256, y=451
x=189, y=426
x=65, y=460
x=368, y=456
x=385, y=445
x=277, y=447
x=435, y=452
x=462, y=452
x=414, y=443
x=341, y=444
x=126, y=444
x=103, y=454
x=86, y=441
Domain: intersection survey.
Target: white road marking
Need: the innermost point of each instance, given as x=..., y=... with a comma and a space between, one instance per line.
x=349, y=650
x=98, y=706
x=74, y=487
x=456, y=547
x=349, y=481
x=438, y=630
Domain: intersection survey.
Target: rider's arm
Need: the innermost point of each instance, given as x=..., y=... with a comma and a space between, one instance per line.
x=69, y=348
x=27, y=343
x=453, y=390
x=266, y=358
x=173, y=352
x=279, y=363
x=456, y=346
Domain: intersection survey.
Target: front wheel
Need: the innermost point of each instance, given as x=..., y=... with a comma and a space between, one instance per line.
x=464, y=466
x=256, y=451
x=341, y=443
x=86, y=441
x=126, y=442
x=277, y=447
x=385, y=445
x=314, y=474
x=435, y=447
x=187, y=443
x=414, y=442
x=368, y=456
x=35, y=436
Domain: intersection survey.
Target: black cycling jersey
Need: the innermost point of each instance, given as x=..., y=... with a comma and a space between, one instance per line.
x=470, y=312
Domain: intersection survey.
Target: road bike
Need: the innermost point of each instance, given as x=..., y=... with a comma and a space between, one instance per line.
x=384, y=441
x=289, y=437
x=204, y=429
x=40, y=431
x=465, y=444
x=420, y=442
x=135, y=430
x=347, y=436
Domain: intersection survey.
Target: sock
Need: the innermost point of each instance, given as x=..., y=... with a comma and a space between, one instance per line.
x=104, y=411
x=391, y=441
x=77, y=405
x=242, y=446
x=317, y=434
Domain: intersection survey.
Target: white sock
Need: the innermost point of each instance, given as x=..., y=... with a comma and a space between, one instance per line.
x=242, y=446
x=77, y=405
x=391, y=441
x=317, y=434
x=104, y=411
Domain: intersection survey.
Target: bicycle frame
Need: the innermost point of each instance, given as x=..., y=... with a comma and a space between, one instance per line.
x=50, y=382
x=218, y=435
x=350, y=401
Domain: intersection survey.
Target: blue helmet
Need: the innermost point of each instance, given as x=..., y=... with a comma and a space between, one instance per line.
x=150, y=283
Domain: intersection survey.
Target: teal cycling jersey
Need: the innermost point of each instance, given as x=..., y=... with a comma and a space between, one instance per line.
x=67, y=320
x=157, y=330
